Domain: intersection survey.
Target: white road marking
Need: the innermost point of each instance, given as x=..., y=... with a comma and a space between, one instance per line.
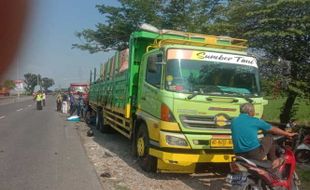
x=20, y=109
x=3, y=116
x=29, y=105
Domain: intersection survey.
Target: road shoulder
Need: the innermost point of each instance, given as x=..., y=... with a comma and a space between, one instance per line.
x=118, y=169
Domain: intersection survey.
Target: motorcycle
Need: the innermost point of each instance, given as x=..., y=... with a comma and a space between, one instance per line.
x=256, y=175
x=302, y=151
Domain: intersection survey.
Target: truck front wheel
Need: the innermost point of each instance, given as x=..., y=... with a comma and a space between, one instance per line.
x=147, y=162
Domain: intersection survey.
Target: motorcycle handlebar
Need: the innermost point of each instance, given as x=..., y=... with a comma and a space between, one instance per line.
x=285, y=141
x=278, y=137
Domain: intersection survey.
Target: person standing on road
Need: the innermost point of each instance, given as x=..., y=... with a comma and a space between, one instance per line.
x=64, y=103
x=43, y=98
x=80, y=104
x=72, y=104
x=58, y=102
x=38, y=98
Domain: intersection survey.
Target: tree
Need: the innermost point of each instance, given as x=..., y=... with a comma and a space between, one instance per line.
x=274, y=28
x=9, y=84
x=47, y=82
x=120, y=23
x=31, y=80
x=281, y=28
x=191, y=15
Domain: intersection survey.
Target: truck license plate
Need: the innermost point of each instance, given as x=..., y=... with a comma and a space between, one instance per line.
x=221, y=143
x=236, y=179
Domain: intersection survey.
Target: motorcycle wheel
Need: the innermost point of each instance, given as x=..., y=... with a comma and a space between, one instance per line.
x=302, y=156
x=248, y=185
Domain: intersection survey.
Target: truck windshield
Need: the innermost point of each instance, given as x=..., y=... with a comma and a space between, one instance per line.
x=214, y=78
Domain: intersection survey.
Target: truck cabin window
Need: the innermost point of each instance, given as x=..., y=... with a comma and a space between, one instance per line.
x=153, y=71
x=206, y=77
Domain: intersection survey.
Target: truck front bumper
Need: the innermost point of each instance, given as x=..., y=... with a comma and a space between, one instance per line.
x=186, y=162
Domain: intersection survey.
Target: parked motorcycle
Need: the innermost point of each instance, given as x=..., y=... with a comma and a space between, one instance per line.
x=254, y=174
x=302, y=152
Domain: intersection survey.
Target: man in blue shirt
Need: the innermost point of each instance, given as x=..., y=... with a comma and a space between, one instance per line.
x=244, y=131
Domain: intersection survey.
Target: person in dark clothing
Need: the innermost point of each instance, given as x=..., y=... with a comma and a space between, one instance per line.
x=72, y=104
x=80, y=104
x=64, y=97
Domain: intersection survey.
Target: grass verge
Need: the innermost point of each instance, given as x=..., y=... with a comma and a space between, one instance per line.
x=273, y=109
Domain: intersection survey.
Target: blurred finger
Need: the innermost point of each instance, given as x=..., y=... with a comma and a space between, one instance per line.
x=12, y=20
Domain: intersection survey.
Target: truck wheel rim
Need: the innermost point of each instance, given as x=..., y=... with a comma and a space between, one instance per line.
x=140, y=147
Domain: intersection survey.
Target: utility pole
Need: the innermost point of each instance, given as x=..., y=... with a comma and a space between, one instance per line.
x=39, y=81
x=95, y=73
x=17, y=79
x=91, y=76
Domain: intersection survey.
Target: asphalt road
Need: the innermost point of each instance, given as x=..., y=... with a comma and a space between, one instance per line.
x=41, y=150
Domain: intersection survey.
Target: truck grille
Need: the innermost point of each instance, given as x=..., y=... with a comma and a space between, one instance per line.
x=217, y=121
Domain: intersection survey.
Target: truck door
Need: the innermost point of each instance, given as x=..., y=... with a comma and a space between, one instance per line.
x=150, y=81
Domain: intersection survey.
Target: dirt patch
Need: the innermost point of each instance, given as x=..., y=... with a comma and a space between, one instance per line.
x=119, y=170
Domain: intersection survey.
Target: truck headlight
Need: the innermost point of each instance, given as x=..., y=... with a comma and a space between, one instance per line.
x=175, y=141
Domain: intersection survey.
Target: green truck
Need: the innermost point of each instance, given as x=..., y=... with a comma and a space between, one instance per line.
x=173, y=94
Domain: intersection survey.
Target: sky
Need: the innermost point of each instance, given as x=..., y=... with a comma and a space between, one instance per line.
x=47, y=42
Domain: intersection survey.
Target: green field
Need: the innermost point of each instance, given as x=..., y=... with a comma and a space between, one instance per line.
x=273, y=109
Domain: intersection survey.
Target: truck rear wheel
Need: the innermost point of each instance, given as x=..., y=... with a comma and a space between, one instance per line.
x=88, y=117
x=147, y=162
x=104, y=128
x=98, y=119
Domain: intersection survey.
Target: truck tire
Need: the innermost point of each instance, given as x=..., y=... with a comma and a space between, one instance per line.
x=98, y=119
x=147, y=162
x=88, y=117
x=104, y=128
